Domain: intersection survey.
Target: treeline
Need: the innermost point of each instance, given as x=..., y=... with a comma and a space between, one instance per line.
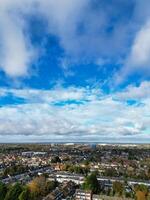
x=18, y=148
x=36, y=189
x=14, y=170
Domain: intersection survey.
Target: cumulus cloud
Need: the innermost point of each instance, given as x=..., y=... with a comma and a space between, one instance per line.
x=74, y=113
x=140, y=52
x=56, y=94
x=16, y=52
x=137, y=59
x=135, y=92
x=87, y=30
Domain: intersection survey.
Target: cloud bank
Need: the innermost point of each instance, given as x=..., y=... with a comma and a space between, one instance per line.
x=76, y=114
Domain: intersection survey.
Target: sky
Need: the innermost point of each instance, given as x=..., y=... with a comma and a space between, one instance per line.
x=75, y=71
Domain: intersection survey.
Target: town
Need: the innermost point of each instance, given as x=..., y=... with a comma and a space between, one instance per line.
x=74, y=171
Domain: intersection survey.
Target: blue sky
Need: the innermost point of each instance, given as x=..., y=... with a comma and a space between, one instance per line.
x=75, y=70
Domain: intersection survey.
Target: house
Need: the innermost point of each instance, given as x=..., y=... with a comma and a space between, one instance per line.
x=67, y=189
x=96, y=197
x=57, y=194
x=83, y=195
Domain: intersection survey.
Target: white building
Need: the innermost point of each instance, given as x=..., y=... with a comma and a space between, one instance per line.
x=83, y=195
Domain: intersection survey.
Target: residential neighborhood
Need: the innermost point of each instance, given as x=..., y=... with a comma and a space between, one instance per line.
x=77, y=171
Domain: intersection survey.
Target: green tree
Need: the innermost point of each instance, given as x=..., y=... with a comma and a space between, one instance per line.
x=77, y=169
x=56, y=159
x=51, y=185
x=3, y=191
x=110, y=172
x=25, y=194
x=91, y=183
x=14, y=192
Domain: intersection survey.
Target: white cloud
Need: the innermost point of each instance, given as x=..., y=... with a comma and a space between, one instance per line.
x=141, y=48
x=81, y=26
x=16, y=52
x=139, y=58
x=135, y=92
x=56, y=94
x=88, y=114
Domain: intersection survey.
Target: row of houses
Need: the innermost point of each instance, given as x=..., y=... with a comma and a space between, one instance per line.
x=79, y=179
x=87, y=195
x=68, y=192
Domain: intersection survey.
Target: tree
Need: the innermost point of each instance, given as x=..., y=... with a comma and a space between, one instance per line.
x=56, y=159
x=91, y=183
x=50, y=186
x=141, y=192
x=76, y=169
x=110, y=172
x=37, y=186
x=14, y=192
x=3, y=191
x=118, y=188
x=25, y=194
x=140, y=195
x=15, y=169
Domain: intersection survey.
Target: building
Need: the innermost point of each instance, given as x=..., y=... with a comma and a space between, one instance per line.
x=96, y=197
x=57, y=194
x=83, y=195
x=66, y=190
x=65, y=176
